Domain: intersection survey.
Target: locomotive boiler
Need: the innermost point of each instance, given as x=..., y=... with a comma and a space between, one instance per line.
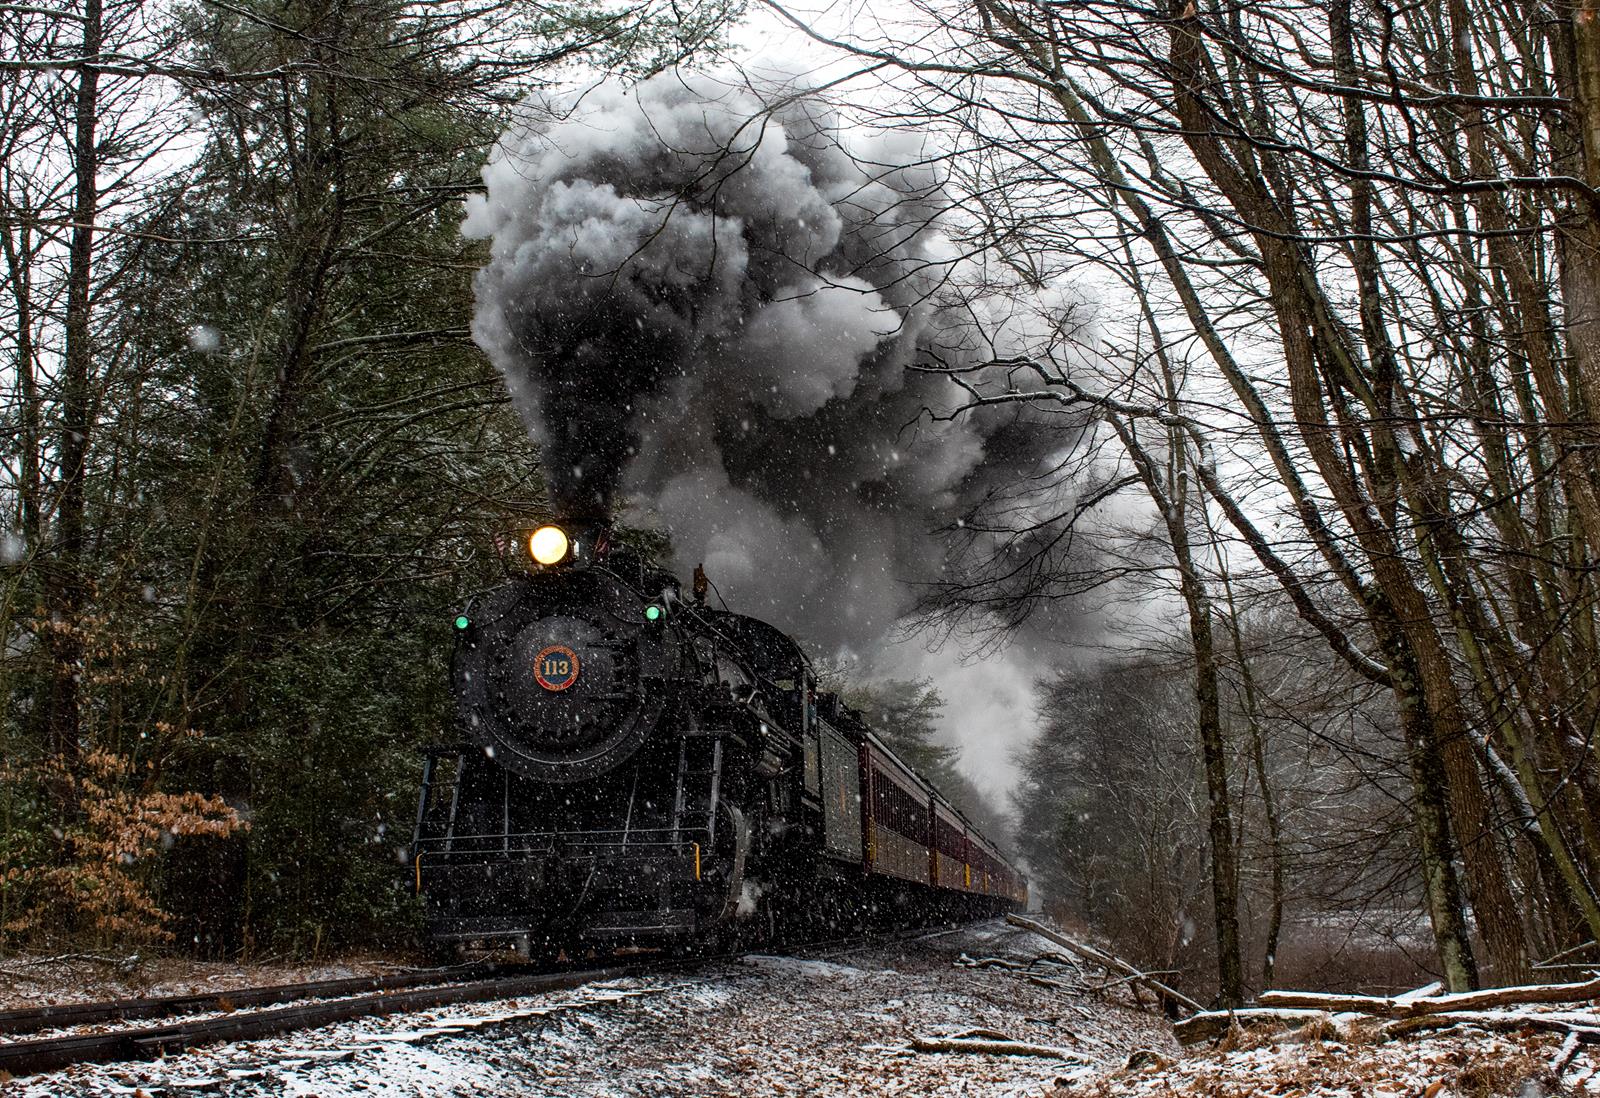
x=637, y=768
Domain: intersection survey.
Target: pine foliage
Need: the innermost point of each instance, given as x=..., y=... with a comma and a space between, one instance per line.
x=225, y=635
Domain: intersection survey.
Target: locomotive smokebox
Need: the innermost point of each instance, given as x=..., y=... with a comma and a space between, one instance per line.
x=562, y=675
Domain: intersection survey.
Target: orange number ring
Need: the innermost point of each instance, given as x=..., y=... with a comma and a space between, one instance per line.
x=555, y=667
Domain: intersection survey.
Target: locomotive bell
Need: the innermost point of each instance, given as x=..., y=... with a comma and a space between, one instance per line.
x=560, y=676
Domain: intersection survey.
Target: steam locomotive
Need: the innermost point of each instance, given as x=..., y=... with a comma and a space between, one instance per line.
x=639, y=769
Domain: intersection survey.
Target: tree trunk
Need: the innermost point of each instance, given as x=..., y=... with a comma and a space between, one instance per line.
x=1399, y=613
x=1213, y=749
x=1579, y=233
x=67, y=582
x=1269, y=802
x=30, y=511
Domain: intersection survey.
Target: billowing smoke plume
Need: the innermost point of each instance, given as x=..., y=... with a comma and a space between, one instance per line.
x=709, y=311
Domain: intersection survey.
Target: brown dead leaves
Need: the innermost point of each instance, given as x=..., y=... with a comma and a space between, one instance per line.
x=95, y=876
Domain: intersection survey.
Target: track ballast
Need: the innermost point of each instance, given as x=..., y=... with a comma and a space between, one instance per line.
x=330, y=1003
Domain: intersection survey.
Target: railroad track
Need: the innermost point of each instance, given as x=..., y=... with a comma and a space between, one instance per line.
x=61, y=1016
x=147, y=1042
x=313, y=1004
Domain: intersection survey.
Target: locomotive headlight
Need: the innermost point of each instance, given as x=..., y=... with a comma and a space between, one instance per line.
x=548, y=545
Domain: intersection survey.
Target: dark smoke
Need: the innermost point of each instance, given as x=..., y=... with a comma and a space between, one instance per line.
x=708, y=309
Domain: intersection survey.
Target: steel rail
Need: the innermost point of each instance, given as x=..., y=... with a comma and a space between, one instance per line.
x=62, y=1015
x=148, y=1042
x=144, y=1043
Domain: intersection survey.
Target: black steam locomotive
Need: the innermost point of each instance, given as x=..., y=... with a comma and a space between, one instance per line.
x=644, y=770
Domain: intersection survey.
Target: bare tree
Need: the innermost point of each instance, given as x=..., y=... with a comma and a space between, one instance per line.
x=1366, y=222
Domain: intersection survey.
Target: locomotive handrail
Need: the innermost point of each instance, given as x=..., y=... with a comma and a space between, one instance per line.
x=530, y=841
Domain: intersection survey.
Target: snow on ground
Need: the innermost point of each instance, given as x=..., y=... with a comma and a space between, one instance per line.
x=827, y=1023
x=835, y=1024
x=1354, y=1060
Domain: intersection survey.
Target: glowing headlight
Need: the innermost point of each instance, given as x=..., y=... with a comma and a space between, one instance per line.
x=548, y=545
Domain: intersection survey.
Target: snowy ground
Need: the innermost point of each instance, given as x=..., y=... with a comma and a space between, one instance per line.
x=836, y=1024
x=1463, y=1063
x=762, y=1026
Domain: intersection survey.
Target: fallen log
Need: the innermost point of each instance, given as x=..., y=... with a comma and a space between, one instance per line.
x=1412, y=1006
x=1165, y=994
x=990, y=962
x=1049, y=957
x=1119, y=981
x=977, y=1035
x=1210, y=1024
x=1564, y=1055
x=1426, y=991
x=987, y=1047
x=1585, y=1027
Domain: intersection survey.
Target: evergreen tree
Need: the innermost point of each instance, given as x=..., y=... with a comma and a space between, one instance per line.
x=301, y=463
x=905, y=713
